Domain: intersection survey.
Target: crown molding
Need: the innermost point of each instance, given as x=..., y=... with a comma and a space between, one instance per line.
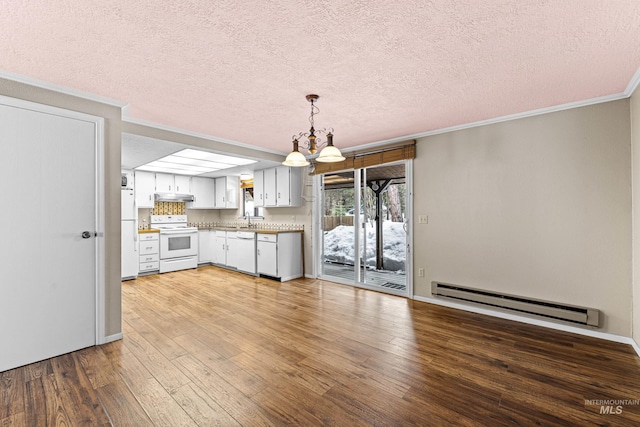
x=60, y=89
x=633, y=83
x=531, y=113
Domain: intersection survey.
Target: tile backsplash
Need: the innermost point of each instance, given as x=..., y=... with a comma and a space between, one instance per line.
x=169, y=208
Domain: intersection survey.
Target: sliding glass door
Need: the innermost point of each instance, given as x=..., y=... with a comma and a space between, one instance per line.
x=338, y=226
x=365, y=213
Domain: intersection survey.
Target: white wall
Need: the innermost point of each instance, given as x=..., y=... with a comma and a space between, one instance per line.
x=538, y=207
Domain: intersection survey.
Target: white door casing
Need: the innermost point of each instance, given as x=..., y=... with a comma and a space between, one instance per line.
x=52, y=292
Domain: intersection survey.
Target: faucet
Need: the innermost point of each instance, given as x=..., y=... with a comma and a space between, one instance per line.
x=248, y=219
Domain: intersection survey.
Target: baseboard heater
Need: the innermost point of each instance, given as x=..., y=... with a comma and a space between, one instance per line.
x=568, y=313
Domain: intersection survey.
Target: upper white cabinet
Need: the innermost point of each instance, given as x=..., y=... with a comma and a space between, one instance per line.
x=165, y=183
x=204, y=193
x=270, y=196
x=281, y=186
x=182, y=184
x=288, y=186
x=227, y=192
x=169, y=183
x=208, y=193
x=258, y=188
x=145, y=187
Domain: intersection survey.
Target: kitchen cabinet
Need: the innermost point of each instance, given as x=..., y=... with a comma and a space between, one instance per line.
x=205, y=246
x=270, y=198
x=165, y=183
x=280, y=255
x=182, y=184
x=221, y=247
x=258, y=188
x=226, y=193
x=232, y=249
x=169, y=183
x=226, y=249
x=149, y=252
x=278, y=187
x=145, y=187
x=288, y=186
x=204, y=193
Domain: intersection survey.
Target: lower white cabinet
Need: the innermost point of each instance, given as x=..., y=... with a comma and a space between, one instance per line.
x=205, y=246
x=149, y=251
x=232, y=249
x=280, y=255
x=226, y=251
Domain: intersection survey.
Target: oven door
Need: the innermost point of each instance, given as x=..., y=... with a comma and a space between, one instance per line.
x=178, y=244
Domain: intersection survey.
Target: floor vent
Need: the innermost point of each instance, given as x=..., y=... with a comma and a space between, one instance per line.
x=569, y=313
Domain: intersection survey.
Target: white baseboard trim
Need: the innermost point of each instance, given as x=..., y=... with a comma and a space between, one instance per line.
x=111, y=338
x=532, y=321
x=635, y=346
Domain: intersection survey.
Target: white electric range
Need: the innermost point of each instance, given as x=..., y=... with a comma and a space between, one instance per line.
x=178, y=242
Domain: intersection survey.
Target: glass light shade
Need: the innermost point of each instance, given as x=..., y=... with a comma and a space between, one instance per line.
x=295, y=159
x=330, y=154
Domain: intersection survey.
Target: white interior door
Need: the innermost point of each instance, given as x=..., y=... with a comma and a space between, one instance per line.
x=48, y=286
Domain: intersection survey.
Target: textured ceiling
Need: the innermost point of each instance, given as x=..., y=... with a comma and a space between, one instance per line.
x=240, y=70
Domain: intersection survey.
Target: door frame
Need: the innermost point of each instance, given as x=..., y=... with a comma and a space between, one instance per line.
x=318, y=228
x=99, y=240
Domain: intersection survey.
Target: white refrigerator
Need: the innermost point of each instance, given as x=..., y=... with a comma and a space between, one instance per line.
x=130, y=257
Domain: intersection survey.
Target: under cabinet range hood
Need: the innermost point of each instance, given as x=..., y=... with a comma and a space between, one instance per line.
x=173, y=197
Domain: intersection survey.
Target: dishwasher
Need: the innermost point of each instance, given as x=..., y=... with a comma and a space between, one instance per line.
x=246, y=250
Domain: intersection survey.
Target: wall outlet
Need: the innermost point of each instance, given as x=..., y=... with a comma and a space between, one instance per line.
x=423, y=219
x=421, y=272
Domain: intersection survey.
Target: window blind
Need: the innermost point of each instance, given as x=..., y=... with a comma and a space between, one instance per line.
x=363, y=159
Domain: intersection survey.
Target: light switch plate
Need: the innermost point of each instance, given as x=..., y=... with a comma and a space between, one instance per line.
x=423, y=219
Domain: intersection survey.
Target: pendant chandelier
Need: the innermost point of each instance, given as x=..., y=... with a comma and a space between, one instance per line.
x=311, y=142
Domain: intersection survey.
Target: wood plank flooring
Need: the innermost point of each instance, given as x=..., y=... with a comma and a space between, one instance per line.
x=210, y=347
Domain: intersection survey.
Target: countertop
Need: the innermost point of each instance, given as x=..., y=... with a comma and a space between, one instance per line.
x=255, y=230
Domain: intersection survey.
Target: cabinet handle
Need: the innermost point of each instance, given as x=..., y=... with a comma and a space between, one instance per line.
x=169, y=188
x=258, y=252
x=278, y=195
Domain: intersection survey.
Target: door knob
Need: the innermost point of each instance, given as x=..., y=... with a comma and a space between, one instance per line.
x=86, y=235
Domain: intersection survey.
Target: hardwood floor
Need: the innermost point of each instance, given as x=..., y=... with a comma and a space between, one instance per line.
x=210, y=347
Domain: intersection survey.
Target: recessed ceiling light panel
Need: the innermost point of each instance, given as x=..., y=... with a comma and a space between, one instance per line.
x=194, y=162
